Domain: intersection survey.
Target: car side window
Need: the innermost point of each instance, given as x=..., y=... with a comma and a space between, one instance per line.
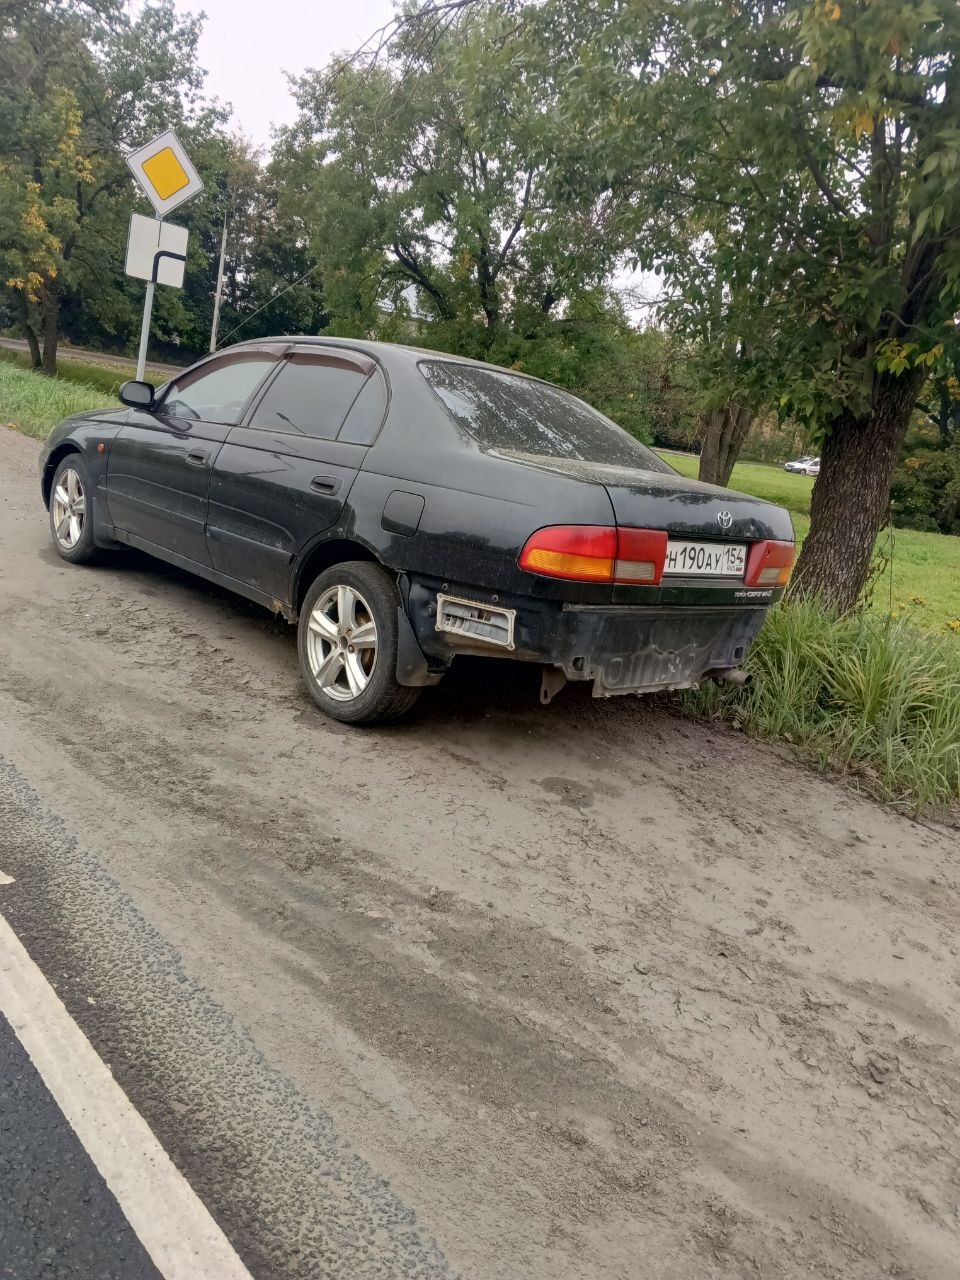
x=218, y=390
x=311, y=395
x=365, y=418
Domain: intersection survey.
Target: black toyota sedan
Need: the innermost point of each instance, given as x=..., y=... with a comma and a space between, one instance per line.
x=405, y=506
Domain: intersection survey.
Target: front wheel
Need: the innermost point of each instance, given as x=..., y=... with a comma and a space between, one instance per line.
x=71, y=511
x=347, y=642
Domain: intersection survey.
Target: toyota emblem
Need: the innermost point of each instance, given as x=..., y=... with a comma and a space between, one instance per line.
x=724, y=520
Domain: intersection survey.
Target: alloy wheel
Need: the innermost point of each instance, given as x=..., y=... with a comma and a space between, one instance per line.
x=342, y=642
x=69, y=509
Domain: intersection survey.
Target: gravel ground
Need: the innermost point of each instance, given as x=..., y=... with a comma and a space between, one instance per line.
x=584, y=991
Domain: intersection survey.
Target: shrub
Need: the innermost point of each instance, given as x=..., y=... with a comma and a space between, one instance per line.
x=925, y=493
x=860, y=693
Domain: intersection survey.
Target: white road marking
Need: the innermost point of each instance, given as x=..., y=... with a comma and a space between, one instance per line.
x=174, y=1227
x=5, y=879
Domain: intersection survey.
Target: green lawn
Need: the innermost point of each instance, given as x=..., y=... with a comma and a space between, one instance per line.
x=926, y=566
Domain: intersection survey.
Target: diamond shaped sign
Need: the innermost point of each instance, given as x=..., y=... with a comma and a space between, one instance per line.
x=165, y=173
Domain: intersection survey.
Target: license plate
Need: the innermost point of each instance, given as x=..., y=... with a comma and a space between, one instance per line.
x=706, y=559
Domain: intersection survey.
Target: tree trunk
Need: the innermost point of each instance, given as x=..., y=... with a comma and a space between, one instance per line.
x=851, y=495
x=50, y=302
x=29, y=332
x=724, y=431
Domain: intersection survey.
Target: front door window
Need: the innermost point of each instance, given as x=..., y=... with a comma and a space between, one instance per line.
x=218, y=390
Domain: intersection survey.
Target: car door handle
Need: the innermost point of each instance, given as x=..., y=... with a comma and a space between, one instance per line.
x=325, y=484
x=197, y=457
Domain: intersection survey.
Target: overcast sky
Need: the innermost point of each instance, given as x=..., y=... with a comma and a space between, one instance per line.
x=247, y=45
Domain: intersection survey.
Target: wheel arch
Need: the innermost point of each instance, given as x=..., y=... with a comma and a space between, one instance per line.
x=50, y=466
x=322, y=556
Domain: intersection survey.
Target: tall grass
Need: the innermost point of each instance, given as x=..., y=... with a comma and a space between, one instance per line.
x=35, y=404
x=859, y=693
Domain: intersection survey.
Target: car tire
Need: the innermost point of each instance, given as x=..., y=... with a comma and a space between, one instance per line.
x=71, y=510
x=347, y=642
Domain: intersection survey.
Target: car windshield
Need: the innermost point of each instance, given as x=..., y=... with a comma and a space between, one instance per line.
x=502, y=411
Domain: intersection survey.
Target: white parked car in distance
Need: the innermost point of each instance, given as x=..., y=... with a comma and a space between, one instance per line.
x=808, y=466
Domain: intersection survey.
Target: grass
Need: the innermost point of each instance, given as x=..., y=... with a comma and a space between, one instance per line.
x=35, y=404
x=105, y=378
x=926, y=566
x=860, y=693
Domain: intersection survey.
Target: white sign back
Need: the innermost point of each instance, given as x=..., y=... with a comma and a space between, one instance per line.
x=156, y=251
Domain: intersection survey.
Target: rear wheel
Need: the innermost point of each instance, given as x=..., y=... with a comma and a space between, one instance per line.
x=71, y=510
x=347, y=641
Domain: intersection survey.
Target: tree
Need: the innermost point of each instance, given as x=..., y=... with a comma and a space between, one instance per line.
x=80, y=84
x=419, y=184
x=806, y=157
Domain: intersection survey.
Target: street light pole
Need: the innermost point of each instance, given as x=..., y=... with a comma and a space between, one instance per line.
x=217, y=295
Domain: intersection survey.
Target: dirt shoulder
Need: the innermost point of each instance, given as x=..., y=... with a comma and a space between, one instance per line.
x=602, y=992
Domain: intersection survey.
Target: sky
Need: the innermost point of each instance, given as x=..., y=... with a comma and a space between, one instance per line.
x=247, y=45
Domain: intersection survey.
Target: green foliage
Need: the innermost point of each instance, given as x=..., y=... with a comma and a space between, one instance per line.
x=99, y=375
x=79, y=85
x=925, y=493
x=422, y=186
x=857, y=693
x=795, y=170
x=34, y=404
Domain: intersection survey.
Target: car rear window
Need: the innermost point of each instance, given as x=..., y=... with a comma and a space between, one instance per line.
x=505, y=412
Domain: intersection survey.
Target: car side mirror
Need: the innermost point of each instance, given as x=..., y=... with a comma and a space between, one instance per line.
x=138, y=395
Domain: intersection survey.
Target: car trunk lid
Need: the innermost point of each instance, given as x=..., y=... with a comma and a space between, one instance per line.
x=666, y=500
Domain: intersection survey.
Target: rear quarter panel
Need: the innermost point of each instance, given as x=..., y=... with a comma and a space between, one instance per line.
x=479, y=509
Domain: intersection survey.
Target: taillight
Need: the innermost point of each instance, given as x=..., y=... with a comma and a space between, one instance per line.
x=769, y=564
x=641, y=554
x=585, y=552
x=596, y=553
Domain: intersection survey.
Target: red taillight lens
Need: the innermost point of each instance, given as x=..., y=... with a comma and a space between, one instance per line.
x=641, y=554
x=595, y=553
x=769, y=564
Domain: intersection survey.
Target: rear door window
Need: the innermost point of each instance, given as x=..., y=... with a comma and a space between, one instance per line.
x=519, y=415
x=311, y=395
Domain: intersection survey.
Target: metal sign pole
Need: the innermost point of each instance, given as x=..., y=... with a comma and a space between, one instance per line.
x=145, y=330
x=147, y=315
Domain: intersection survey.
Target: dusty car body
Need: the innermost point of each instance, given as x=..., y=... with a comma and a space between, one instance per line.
x=506, y=517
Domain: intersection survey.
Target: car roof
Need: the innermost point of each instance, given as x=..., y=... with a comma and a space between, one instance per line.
x=388, y=353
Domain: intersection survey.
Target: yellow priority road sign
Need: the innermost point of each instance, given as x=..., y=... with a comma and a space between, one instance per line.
x=165, y=173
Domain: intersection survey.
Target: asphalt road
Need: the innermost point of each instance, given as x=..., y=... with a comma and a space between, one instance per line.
x=89, y=357
x=585, y=991
x=56, y=1212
